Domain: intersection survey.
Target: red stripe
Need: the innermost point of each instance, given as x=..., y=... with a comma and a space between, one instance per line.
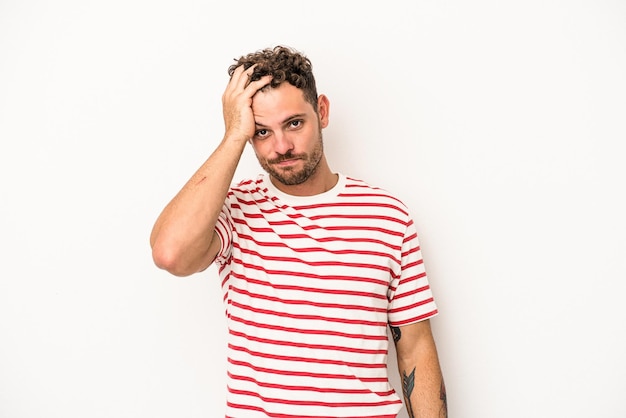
x=312, y=403
x=415, y=319
x=411, y=279
x=309, y=289
x=315, y=263
x=352, y=205
x=354, y=228
x=409, y=307
x=412, y=250
x=412, y=292
x=274, y=415
x=308, y=388
x=329, y=239
x=307, y=360
x=306, y=302
x=410, y=238
x=306, y=374
x=316, y=227
x=303, y=345
x=291, y=221
x=263, y=210
x=307, y=317
x=313, y=332
x=290, y=273
x=355, y=216
x=317, y=249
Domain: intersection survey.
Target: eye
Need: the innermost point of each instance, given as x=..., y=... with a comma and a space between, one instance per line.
x=261, y=133
x=296, y=123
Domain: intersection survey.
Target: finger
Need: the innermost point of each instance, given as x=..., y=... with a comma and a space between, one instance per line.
x=243, y=76
x=240, y=69
x=257, y=85
x=237, y=79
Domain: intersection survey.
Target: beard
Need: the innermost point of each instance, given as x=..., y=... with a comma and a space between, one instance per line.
x=289, y=176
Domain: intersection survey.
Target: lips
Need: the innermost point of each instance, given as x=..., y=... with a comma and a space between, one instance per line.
x=285, y=160
x=287, y=164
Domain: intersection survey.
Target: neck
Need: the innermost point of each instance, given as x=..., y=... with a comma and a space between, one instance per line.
x=322, y=180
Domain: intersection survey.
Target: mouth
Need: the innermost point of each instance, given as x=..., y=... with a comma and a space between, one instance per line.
x=287, y=165
x=285, y=161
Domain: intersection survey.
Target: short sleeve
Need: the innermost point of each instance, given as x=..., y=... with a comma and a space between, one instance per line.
x=410, y=297
x=224, y=229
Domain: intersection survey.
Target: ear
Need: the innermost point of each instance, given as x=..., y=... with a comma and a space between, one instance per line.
x=323, y=110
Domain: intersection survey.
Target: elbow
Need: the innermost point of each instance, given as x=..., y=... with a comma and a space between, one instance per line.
x=172, y=262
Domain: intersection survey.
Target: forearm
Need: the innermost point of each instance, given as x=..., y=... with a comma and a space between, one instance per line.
x=183, y=239
x=423, y=387
x=182, y=235
x=420, y=372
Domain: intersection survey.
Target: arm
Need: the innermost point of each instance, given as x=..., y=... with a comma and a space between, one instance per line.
x=420, y=372
x=183, y=238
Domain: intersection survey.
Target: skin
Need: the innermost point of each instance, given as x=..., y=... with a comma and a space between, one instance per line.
x=285, y=132
x=422, y=381
x=288, y=140
x=183, y=238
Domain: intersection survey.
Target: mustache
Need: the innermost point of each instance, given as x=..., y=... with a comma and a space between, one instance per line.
x=286, y=156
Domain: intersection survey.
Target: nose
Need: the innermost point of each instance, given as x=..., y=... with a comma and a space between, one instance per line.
x=282, y=143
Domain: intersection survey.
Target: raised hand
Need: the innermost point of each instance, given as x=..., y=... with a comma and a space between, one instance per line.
x=237, y=103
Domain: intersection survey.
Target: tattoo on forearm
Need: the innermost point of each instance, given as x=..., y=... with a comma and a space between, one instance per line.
x=443, y=412
x=395, y=333
x=408, y=383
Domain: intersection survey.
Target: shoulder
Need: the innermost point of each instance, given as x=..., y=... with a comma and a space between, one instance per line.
x=249, y=192
x=248, y=186
x=362, y=190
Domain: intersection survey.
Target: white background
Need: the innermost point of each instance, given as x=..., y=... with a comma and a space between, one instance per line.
x=500, y=124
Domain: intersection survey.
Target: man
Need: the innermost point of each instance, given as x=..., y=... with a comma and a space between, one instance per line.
x=314, y=264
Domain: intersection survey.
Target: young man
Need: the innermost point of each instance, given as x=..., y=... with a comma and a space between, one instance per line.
x=314, y=265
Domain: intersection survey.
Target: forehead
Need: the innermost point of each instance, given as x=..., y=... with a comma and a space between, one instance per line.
x=275, y=105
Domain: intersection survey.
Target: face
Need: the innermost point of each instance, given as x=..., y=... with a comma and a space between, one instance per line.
x=288, y=135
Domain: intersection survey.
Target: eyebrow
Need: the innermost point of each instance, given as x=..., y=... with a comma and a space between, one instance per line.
x=289, y=119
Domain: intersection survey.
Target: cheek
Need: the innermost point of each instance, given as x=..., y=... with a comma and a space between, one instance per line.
x=256, y=145
x=260, y=148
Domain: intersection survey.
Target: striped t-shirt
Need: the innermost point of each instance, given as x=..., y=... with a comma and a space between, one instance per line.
x=310, y=285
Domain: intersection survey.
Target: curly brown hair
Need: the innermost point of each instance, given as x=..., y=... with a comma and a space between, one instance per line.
x=284, y=64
